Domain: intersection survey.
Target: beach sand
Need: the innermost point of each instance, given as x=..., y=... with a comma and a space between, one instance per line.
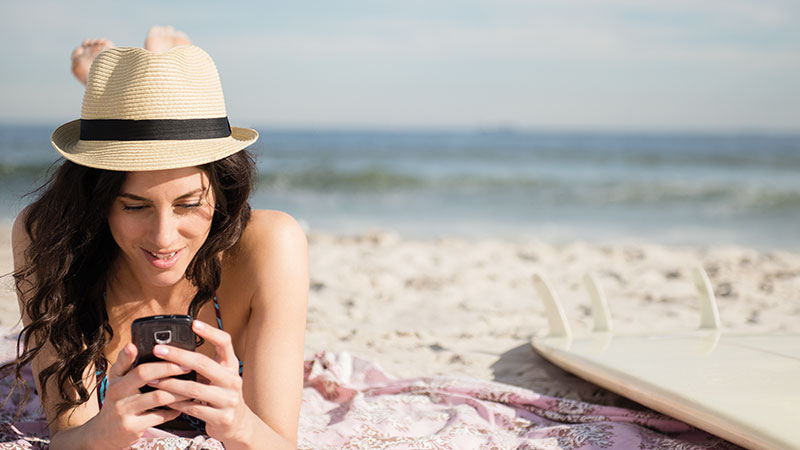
x=468, y=308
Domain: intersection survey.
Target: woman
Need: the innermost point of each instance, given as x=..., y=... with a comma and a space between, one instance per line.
x=149, y=216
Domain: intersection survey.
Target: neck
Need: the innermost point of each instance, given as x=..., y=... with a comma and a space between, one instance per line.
x=127, y=293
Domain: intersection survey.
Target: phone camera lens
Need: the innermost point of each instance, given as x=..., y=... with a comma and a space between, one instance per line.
x=163, y=337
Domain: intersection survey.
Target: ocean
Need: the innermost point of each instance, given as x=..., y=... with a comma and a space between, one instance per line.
x=670, y=188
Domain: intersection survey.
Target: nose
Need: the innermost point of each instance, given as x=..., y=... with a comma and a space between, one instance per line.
x=165, y=229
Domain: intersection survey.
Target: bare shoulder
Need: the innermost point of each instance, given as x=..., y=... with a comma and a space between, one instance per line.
x=272, y=242
x=19, y=235
x=20, y=241
x=272, y=227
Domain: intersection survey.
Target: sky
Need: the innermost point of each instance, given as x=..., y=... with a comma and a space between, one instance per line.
x=619, y=65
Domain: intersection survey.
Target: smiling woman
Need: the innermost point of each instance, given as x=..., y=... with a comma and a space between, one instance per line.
x=149, y=215
x=165, y=216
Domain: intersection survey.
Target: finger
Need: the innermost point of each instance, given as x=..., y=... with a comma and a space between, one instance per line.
x=157, y=417
x=125, y=359
x=154, y=372
x=221, y=341
x=202, y=364
x=139, y=376
x=142, y=403
x=192, y=390
x=206, y=413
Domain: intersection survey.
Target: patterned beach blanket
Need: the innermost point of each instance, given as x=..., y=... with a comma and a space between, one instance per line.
x=351, y=403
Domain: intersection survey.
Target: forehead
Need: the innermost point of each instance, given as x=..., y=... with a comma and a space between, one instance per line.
x=169, y=181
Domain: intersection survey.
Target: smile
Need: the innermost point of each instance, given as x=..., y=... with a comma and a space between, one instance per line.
x=163, y=256
x=163, y=260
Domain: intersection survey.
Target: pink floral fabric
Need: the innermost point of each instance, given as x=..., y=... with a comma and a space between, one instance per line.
x=351, y=403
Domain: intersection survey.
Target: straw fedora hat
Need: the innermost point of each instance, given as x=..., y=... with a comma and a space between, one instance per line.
x=148, y=111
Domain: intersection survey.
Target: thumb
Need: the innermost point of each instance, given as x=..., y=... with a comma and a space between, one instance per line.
x=125, y=359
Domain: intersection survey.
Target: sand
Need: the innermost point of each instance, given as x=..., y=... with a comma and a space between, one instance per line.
x=467, y=307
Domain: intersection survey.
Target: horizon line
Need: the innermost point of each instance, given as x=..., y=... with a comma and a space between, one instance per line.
x=499, y=129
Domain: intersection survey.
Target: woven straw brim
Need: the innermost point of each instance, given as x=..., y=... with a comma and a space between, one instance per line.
x=147, y=155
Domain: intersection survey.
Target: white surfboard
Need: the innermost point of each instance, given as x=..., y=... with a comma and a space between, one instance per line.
x=743, y=388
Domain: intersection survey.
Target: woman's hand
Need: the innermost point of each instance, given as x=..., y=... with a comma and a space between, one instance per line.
x=126, y=412
x=220, y=402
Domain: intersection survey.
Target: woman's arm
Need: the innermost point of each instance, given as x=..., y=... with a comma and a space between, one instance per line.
x=20, y=241
x=260, y=410
x=273, y=363
x=125, y=415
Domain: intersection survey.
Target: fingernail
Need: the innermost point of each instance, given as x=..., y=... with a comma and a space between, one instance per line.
x=199, y=325
x=153, y=382
x=160, y=350
x=186, y=369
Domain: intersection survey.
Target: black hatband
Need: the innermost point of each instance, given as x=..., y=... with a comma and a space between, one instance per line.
x=154, y=129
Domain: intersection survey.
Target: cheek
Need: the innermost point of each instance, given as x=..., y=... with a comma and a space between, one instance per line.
x=123, y=229
x=197, y=229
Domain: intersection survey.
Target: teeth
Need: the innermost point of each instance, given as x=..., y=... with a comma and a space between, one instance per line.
x=163, y=256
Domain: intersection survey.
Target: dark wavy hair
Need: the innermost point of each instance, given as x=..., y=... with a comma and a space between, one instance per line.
x=68, y=259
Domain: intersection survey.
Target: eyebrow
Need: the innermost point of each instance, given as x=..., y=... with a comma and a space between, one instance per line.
x=143, y=199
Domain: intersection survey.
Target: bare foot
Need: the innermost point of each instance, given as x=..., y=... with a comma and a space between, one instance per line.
x=160, y=39
x=83, y=56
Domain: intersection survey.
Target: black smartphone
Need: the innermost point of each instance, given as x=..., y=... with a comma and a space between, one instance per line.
x=175, y=330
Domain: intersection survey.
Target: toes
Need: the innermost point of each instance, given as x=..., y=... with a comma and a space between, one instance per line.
x=83, y=56
x=155, y=30
x=162, y=38
x=104, y=43
x=91, y=44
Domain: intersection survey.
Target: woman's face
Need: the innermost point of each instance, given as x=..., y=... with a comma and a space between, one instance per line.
x=160, y=220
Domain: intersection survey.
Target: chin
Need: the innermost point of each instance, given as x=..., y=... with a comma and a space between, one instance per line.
x=168, y=278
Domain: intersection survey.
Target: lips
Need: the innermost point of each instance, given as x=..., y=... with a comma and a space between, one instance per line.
x=163, y=260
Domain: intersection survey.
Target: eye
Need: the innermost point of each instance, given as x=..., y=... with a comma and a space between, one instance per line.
x=133, y=207
x=190, y=205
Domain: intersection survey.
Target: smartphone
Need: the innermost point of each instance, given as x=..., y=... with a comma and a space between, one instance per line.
x=175, y=330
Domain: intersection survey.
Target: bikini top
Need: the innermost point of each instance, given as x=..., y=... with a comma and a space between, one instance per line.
x=102, y=382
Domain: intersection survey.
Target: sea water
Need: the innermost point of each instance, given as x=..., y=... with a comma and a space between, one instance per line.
x=672, y=188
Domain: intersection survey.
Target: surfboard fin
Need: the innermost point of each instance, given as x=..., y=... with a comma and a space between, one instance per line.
x=556, y=319
x=600, y=312
x=709, y=314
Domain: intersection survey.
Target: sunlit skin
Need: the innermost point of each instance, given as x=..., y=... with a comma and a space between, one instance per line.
x=159, y=220
x=159, y=40
x=160, y=212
